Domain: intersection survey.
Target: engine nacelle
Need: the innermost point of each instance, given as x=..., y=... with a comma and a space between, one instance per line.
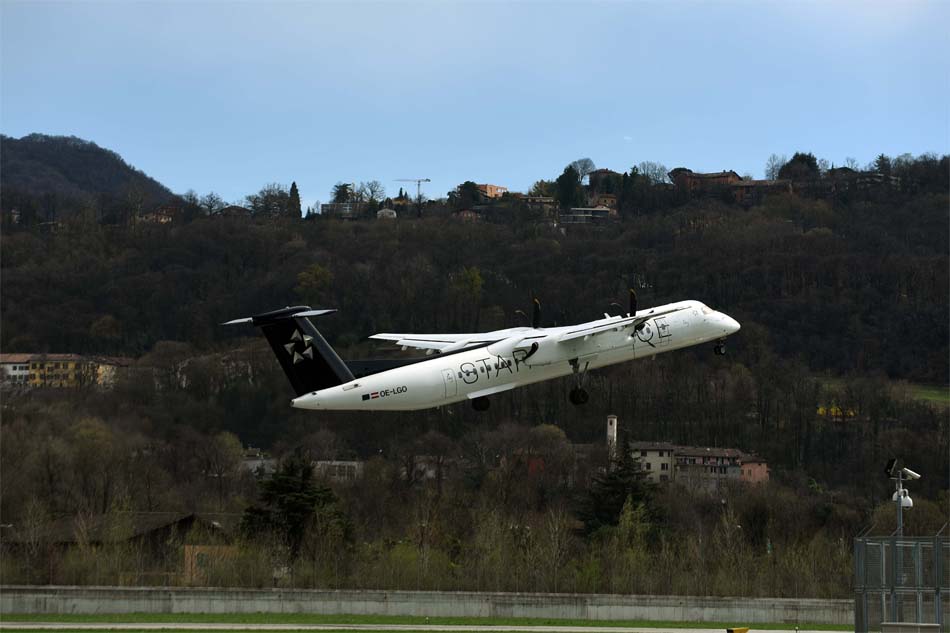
x=548, y=351
x=507, y=347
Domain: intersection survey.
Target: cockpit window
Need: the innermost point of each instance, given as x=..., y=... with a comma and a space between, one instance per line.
x=706, y=309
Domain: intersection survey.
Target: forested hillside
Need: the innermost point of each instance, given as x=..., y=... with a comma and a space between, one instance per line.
x=859, y=288
x=53, y=178
x=840, y=301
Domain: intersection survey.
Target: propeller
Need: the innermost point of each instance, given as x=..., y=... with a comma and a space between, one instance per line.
x=633, y=310
x=535, y=314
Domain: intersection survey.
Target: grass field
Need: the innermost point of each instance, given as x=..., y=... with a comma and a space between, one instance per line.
x=934, y=394
x=930, y=393
x=309, y=618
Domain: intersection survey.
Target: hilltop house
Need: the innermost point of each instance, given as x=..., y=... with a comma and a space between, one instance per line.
x=695, y=181
x=491, y=191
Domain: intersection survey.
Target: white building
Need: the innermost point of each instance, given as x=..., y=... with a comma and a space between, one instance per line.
x=15, y=368
x=339, y=470
x=656, y=458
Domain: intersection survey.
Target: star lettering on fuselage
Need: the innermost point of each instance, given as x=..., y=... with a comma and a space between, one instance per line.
x=299, y=347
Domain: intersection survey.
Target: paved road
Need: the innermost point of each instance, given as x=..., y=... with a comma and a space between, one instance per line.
x=449, y=628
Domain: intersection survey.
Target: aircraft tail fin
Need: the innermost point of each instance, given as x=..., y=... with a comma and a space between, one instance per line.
x=305, y=356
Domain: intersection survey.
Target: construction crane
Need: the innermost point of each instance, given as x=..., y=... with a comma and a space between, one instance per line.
x=418, y=182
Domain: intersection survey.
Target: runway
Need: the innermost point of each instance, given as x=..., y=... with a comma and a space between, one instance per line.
x=447, y=628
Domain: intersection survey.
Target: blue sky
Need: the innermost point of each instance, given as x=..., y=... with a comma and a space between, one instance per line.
x=229, y=96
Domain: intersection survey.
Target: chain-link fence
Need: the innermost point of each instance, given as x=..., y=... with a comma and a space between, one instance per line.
x=901, y=579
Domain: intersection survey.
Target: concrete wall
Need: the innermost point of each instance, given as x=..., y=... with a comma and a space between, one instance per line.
x=22, y=599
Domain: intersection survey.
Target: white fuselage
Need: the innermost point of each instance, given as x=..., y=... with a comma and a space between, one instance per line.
x=478, y=372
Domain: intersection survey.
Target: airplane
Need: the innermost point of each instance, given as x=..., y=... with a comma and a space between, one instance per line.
x=476, y=366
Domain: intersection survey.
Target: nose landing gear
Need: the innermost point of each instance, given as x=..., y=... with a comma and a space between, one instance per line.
x=720, y=348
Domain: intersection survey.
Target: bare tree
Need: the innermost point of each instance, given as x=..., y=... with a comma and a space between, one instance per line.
x=211, y=203
x=851, y=163
x=774, y=165
x=583, y=166
x=373, y=190
x=656, y=172
x=272, y=199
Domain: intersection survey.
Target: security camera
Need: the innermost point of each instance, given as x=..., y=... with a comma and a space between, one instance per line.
x=904, y=498
x=909, y=473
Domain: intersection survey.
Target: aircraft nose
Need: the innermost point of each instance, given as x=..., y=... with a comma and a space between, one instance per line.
x=731, y=325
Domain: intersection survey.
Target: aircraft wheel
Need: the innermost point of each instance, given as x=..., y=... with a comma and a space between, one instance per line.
x=578, y=396
x=720, y=349
x=481, y=404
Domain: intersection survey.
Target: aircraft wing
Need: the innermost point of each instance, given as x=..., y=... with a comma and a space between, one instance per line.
x=438, y=342
x=613, y=326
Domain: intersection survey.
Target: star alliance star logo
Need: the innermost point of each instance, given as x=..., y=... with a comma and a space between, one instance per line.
x=300, y=347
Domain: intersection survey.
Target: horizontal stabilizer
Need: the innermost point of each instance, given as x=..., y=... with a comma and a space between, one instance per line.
x=284, y=313
x=239, y=321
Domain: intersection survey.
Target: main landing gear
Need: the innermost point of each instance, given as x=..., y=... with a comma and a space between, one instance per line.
x=481, y=404
x=578, y=395
x=720, y=348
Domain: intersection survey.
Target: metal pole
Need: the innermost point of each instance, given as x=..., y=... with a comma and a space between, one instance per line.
x=895, y=579
x=938, y=577
x=900, y=504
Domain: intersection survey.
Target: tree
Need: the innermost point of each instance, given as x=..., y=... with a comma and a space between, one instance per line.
x=803, y=166
x=543, y=188
x=221, y=461
x=273, y=200
x=773, y=166
x=106, y=329
x=312, y=282
x=191, y=206
x=656, y=172
x=342, y=192
x=465, y=292
x=373, y=190
x=636, y=192
x=882, y=165
x=293, y=203
x=623, y=483
x=465, y=195
x=288, y=502
x=570, y=193
x=583, y=166
x=211, y=203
